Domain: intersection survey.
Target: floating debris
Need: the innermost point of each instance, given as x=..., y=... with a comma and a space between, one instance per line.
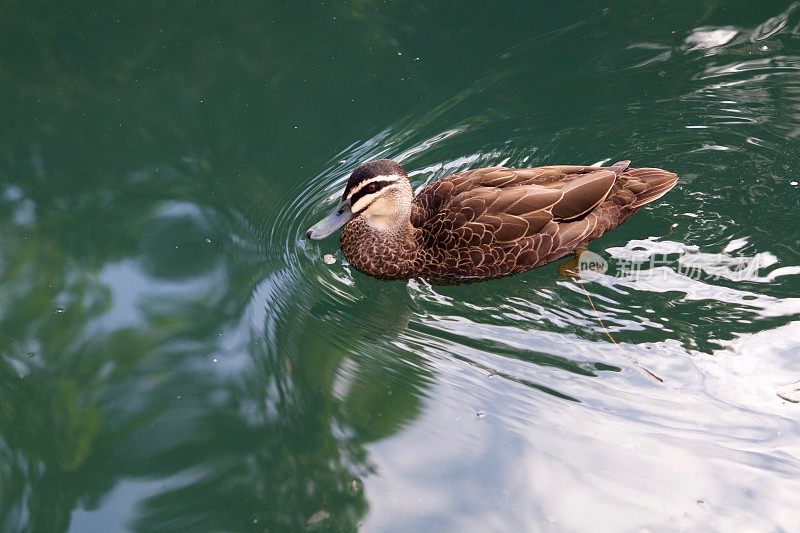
x=318, y=517
x=355, y=486
x=790, y=393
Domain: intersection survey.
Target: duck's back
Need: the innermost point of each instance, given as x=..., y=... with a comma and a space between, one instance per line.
x=493, y=222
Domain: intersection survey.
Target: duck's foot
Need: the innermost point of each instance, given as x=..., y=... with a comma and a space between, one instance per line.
x=571, y=268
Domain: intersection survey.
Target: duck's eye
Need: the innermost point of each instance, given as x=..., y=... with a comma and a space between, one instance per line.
x=372, y=187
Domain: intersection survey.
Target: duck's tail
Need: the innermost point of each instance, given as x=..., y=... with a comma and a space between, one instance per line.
x=648, y=184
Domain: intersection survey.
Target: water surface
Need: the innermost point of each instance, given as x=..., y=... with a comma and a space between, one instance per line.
x=174, y=356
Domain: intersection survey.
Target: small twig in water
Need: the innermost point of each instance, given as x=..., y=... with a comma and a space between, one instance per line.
x=608, y=334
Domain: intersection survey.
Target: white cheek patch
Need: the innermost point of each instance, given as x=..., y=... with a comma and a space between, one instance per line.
x=381, y=214
x=381, y=208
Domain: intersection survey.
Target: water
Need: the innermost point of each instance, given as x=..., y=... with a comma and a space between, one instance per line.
x=175, y=356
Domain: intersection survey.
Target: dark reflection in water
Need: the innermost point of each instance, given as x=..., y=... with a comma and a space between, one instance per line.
x=174, y=356
x=291, y=430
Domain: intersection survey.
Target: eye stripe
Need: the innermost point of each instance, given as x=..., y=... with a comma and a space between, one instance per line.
x=364, y=191
x=366, y=199
x=365, y=183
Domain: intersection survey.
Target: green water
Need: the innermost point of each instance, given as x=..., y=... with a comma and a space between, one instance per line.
x=174, y=356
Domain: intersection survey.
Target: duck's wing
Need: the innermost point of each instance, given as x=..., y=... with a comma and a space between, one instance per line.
x=584, y=187
x=440, y=193
x=502, y=210
x=525, y=191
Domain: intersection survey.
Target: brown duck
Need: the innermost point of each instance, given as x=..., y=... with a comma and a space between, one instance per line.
x=482, y=223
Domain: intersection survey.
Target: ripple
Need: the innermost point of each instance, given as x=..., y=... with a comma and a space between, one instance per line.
x=554, y=362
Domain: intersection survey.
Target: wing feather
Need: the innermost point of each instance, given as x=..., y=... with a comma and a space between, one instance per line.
x=584, y=193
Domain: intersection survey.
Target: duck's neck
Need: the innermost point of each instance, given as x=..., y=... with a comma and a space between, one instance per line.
x=381, y=246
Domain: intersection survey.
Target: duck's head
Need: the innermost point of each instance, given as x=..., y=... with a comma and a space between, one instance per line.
x=377, y=191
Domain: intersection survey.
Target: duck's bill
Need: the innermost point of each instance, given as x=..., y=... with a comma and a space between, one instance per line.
x=340, y=215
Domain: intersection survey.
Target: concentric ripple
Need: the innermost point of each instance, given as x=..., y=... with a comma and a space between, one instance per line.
x=675, y=356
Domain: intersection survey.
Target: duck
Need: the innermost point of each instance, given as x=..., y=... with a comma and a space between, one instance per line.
x=482, y=223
